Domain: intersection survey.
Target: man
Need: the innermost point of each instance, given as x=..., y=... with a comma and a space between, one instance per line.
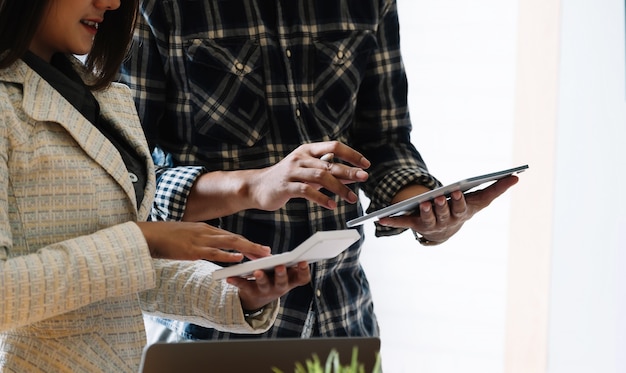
x=256, y=91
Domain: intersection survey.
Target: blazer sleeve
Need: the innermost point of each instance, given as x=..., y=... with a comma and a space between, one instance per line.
x=70, y=274
x=186, y=291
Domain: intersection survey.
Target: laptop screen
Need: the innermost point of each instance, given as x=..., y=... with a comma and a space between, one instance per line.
x=255, y=355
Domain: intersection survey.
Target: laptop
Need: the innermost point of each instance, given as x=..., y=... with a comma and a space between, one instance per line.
x=254, y=355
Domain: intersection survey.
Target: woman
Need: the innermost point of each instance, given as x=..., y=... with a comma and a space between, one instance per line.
x=76, y=184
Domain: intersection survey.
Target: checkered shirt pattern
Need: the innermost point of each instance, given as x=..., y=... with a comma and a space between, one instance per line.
x=239, y=84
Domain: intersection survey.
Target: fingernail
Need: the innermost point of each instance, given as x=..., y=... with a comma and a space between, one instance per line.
x=361, y=175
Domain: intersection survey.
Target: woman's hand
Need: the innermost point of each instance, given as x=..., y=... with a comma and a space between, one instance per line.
x=192, y=241
x=266, y=287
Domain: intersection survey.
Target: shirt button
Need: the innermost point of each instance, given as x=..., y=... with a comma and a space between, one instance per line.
x=318, y=293
x=239, y=66
x=288, y=53
x=340, y=55
x=133, y=177
x=298, y=113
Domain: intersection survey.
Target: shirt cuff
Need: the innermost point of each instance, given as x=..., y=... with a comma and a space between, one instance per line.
x=173, y=188
x=265, y=319
x=390, y=186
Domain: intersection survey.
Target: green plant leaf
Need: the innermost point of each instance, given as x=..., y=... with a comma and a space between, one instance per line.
x=333, y=364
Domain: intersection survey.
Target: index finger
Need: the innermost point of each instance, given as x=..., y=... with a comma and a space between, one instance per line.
x=341, y=151
x=231, y=241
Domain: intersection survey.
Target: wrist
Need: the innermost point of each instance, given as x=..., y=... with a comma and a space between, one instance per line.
x=253, y=313
x=243, y=182
x=425, y=241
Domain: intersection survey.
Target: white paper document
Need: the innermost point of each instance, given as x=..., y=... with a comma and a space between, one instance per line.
x=321, y=245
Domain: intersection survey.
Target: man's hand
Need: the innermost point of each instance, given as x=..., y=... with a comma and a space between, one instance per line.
x=440, y=219
x=301, y=174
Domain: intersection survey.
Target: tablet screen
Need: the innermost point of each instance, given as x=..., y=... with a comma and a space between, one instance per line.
x=409, y=205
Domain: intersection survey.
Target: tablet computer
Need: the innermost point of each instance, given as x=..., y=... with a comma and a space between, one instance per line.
x=410, y=205
x=321, y=245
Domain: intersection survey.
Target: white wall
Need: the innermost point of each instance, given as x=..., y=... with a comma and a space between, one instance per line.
x=566, y=285
x=442, y=309
x=537, y=282
x=587, y=292
x=531, y=226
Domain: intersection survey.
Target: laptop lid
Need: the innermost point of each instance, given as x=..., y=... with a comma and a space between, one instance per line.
x=254, y=355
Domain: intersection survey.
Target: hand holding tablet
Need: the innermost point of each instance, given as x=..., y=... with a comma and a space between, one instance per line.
x=329, y=244
x=409, y=205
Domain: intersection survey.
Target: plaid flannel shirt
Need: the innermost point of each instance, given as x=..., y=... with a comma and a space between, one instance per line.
x=239, y=84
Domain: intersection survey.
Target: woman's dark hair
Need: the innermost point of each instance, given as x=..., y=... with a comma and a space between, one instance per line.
x=20, y=19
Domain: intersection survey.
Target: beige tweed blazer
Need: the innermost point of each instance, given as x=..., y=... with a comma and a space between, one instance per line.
x=75, y=271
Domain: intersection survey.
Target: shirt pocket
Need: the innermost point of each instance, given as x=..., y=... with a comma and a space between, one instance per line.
x=227, y=94
x=340, y=67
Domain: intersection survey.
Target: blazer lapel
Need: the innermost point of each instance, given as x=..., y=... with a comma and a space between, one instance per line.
x=57, y=109
x=117, y=106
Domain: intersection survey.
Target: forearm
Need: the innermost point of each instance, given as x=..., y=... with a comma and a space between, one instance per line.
x=190, y=193
x=219, y=193
x=409, y=191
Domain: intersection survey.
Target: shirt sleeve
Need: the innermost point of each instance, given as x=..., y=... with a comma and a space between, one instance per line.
x=382, y=128
x=173, y=187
